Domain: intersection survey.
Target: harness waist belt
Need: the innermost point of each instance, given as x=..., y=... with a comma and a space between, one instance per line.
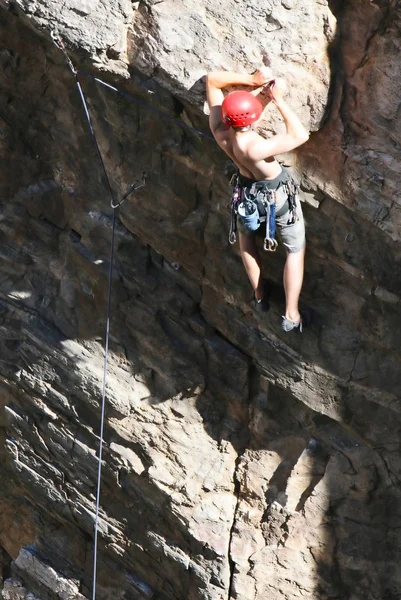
x=279, y=213
x=263, y=184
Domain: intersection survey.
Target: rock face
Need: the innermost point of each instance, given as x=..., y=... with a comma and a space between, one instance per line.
x=238, y=461
x=175, y=42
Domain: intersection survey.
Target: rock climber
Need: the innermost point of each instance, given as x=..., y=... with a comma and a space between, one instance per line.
x=233, y=120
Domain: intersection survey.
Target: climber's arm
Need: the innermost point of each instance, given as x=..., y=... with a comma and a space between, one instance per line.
x=295, y=135
x=263, y=93
x=278, y=144
x=216, y=81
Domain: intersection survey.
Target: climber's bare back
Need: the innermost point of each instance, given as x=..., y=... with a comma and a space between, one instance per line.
x=236, y=143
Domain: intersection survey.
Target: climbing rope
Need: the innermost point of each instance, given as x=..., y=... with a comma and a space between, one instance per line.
x=59, y=43
x=114, y=206
x=151, y=108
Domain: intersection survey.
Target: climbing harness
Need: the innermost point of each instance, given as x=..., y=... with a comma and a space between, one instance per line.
x=259, y=206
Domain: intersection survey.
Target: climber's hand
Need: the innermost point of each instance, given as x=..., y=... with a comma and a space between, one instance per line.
x=262, y=76
x=277, y=89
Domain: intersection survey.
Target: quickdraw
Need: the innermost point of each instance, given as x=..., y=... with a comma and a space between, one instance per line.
x=292, y=190
x=57, y=40
x=133, y=188
x=232, y=236
x=270, y=243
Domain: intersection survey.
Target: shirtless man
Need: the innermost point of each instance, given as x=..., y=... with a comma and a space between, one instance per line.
x=258, y=168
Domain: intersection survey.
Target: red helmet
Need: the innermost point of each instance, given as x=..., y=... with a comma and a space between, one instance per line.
x=240, y=109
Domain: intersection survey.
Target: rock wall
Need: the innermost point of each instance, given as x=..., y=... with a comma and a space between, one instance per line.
x=239, y=462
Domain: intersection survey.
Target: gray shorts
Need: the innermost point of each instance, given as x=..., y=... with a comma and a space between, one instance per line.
x=292, y=236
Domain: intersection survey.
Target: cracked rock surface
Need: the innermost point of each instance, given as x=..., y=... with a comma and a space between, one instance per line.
x=239, y=462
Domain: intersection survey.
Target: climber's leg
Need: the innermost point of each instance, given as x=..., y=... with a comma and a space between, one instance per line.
x=293, y=239
x=251, y=259
x=292, y=279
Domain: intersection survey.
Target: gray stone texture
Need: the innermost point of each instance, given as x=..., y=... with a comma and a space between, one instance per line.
x=239, y=462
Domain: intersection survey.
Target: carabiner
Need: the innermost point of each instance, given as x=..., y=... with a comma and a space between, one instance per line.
x=133, y=187
x=232, y=238
x=270, y=245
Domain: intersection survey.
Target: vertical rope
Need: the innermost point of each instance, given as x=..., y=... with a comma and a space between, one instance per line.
x=94, y=139
x=114, y=206
x=106, y=342
x=106, y=356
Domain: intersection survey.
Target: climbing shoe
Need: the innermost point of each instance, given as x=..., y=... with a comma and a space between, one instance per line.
x=288, y=325
x=261, y=305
